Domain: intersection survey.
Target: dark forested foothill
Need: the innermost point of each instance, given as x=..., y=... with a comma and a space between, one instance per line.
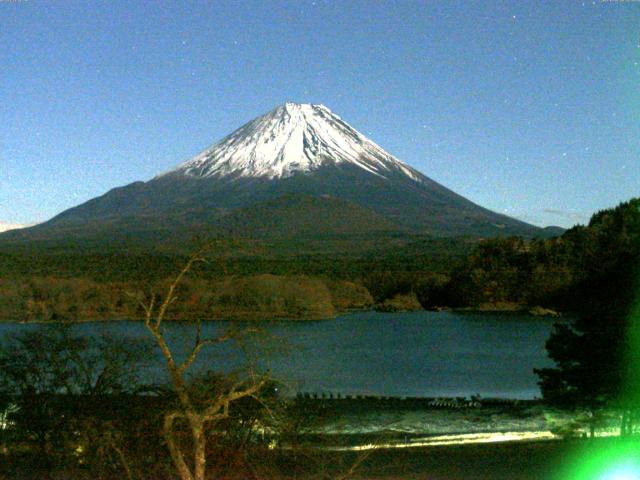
x=321, y=277
x=561, y=273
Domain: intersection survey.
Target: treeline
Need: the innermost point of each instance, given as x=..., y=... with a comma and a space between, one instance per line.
x=335, y=257
x=251, y=298
x=252, y=280
x=559, y=273
x=287, y=278
x=596, y=356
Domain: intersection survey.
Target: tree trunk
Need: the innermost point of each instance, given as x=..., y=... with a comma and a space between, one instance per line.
x=623, y=423
x=123, y=461
x=633, y=417
x=174, y=449
x=200, y=448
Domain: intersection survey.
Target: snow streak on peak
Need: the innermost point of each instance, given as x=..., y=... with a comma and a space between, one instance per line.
x=292, y=138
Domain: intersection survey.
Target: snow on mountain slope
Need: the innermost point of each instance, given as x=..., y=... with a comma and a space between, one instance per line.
x=292, y=138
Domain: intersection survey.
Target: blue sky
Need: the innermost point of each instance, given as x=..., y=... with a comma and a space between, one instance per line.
x=528, y=108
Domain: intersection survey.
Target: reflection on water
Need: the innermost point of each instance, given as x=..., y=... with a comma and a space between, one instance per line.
x=400, y=354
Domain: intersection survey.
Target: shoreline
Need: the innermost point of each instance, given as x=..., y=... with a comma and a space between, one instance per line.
x=525, y=311
x=533, y=310
x=453, y=440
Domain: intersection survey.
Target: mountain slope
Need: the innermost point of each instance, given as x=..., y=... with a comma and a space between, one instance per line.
x=304, y=215
x=293, y=150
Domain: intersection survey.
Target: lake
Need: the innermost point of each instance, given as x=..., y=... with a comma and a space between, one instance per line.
x=423, y=353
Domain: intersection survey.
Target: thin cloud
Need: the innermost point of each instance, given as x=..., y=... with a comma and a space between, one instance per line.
x=567, y=214
x=5, y=226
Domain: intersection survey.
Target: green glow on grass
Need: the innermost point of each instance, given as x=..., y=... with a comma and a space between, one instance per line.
x=610, y=459
x=617, y=458
x=623, y=472
x=614, y=458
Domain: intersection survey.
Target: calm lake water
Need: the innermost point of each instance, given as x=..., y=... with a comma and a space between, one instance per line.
x=401, y=354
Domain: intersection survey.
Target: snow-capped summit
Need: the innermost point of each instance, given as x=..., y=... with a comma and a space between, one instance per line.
x=292, y=138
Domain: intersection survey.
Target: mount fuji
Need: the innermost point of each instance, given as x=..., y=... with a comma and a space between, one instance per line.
x=298, y=169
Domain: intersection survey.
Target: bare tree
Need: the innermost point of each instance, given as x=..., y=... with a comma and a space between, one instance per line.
x=191, y=462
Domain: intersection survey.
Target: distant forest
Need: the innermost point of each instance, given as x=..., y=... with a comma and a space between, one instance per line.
x=321, y=277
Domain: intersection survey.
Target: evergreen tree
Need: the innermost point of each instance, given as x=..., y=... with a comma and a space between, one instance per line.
x=595, y=355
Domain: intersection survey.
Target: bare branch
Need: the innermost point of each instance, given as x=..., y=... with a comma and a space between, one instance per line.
x=196, y=349
x=195, y=415
x=148, y=307
x=198, y=333
x=123, y=458
x=235, y=394
x=170, y=296
x=356, y=464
